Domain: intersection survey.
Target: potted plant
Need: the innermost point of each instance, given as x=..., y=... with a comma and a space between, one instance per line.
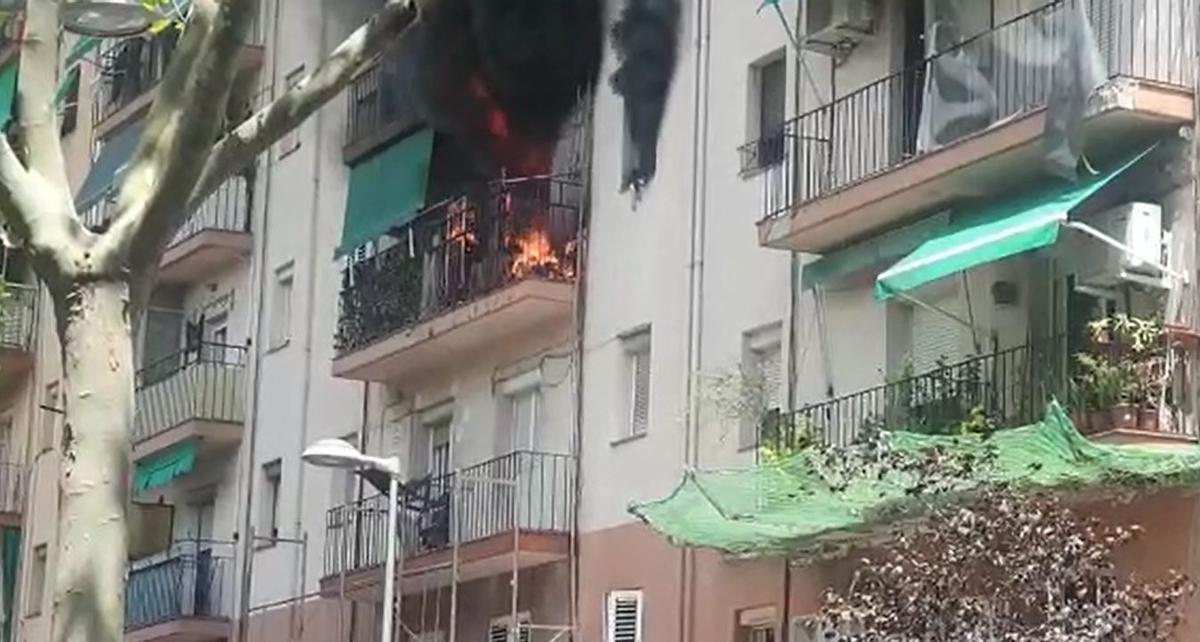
x=1101, y=390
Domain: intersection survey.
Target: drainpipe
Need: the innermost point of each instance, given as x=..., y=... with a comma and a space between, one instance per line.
x=694, y=349
x=310, y=293
x=258, y=270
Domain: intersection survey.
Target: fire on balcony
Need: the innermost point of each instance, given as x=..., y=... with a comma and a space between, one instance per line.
x=458, y=251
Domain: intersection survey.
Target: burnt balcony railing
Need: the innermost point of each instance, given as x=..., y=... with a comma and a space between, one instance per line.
x=203, y=382
x=377, y=106
x=129, y=68
x=225, y=210
x=975, y=84
x=458, y=251
x=531, y=491
x=184, y=586
x=12, y=488
x=18, y=310
x=1006, y=388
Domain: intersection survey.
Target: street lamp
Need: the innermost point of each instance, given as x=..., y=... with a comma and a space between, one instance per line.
x=337, y=453
x=107, y=18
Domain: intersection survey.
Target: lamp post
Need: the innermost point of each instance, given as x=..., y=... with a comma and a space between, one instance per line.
x=337, y=453
x=107, y=18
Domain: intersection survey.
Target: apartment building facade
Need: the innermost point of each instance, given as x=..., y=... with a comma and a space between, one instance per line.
x=542, y=350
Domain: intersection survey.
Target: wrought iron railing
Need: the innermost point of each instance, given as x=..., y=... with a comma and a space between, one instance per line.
x=129, y=68
x=458, y=251
x=1006, y=388
x=225, y=210
x=184, y=586
x=376, y=104
x=990, y=78
x=531, y=490
x=18, y=313
x=202, y=382
x=12, y=487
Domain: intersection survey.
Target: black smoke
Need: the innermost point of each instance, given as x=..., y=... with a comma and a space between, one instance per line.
x=646, y=38
x=502, y=76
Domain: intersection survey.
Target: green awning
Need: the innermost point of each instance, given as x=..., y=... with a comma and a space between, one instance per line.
x=871, y=253
x=109, y=164
x=1005, y=229
x=164, y=467
x=83, y=47
x=68, y=86
x=8, y=92
x=387, y=189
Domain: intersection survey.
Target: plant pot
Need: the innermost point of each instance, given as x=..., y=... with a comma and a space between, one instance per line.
x=1098, y=421
x=1124, y=417
x=1147, y=419
x=1082, y=422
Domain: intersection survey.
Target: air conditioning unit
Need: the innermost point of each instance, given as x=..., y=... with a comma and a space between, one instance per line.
x=837, y=26
x=1139, y=227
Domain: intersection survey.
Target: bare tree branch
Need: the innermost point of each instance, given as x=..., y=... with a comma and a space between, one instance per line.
x=36, y=83
x=39, y=218
x=180, y=128
x=242, y=145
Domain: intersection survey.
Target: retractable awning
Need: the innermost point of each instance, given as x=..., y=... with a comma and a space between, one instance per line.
x=8, y=92
x=164, y=467
x=387, y=190
x=109, y=164
x=1008, y=228
x=873, y=253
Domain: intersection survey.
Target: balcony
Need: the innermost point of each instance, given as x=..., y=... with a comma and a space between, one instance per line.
x=131, y=69
x=521, y=504
x=1006, y=388
x=12, y=494
x=216, y=235
x=194, y=396
x=463, y=275
x=376, y=109
x=892, y=149
x=180, y=599
x=18, y=322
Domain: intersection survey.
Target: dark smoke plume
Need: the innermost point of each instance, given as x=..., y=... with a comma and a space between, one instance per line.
x=645, y=38
x=503, y=76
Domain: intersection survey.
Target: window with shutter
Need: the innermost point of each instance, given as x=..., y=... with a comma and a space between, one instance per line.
x=500, y=629
x=624, y=615
x=637, y=382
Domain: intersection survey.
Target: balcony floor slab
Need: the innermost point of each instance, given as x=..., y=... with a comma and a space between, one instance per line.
x=188, y=629
x=203, y=253
x=209, y=435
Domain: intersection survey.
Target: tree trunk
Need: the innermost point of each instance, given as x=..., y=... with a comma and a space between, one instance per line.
x=97, y=356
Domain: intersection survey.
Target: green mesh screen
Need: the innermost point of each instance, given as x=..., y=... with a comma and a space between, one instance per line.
x=810, y=502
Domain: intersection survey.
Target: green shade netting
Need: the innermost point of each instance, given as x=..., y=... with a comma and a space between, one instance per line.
x=386, y=190
x=1005, y=229
x=8, y=92
x=164, y=467
x=799, y=506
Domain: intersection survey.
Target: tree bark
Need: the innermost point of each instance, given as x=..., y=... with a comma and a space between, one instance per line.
x=97, y=356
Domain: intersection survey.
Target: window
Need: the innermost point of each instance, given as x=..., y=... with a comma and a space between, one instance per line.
x=37, y=581
x=756, y=624
x=768, y=109
x=290, y=141
x=268, y=524
x=636, y=373
x=762, y=380
x=521, y=411
x=70, y=104
x=281, y=307
x=50, y=414
x=623, y=616
x=439, y=448
x=499, y=629
x=203, y=504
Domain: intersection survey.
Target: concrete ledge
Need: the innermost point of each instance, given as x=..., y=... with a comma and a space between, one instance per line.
x=202, y=253
x=188, y=629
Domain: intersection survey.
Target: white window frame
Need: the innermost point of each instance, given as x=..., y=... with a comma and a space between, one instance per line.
x=528, y=384
x=272, y=473
x=37, y=579
x=290, y=142
x=610, y=613
x=756, y=344
x=754, y=124
x=282, y=306
x=636, y=346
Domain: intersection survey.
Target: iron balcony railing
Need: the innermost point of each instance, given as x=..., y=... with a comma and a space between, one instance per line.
x=225, y=210
x=18, y=312
x=532, y=491
x=129, y=68
x=1006, y=388
x=12, y=488
x=376, y=105
x=990, y=78
x=458, y=251
x=203, y=382
x=189, y=585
